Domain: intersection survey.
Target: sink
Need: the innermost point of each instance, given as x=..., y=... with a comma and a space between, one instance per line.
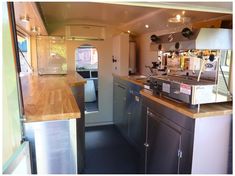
x=138, y=77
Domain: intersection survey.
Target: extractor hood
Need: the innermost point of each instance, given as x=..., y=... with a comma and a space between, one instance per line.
x=204, y=38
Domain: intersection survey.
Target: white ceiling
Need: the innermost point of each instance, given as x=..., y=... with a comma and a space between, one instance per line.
x=123, y=17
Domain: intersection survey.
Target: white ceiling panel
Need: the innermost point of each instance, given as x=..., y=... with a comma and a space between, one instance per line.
x=123, y=17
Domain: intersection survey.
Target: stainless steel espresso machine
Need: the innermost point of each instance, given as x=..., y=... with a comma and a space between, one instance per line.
x=197, y=66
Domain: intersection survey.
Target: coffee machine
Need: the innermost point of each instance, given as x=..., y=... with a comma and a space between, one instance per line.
x=197, y=66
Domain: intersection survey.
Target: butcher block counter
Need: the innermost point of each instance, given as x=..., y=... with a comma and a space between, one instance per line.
x=207, y=110
x=49, y=97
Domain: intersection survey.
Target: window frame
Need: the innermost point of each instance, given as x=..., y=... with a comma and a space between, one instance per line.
x=22, y=33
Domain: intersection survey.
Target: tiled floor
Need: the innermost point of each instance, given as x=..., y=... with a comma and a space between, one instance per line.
x=108, y=152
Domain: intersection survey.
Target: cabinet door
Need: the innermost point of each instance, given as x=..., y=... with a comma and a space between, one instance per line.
x=164, y=143
x=137, y=124
x=120, y=119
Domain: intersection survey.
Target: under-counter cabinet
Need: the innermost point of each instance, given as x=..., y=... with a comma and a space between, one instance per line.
x=181, y=141
x=54, y=122
x=170, y=137
x=128, y=112
x=168, y=145
x=119, y=111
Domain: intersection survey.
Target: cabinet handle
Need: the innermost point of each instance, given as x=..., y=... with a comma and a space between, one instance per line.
x=121, y=86
x=113, y=59
x=146, y=144
x=137, y=98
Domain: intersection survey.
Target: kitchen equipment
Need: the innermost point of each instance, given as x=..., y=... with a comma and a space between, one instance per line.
x=186, y=32
x=154, y=38
x=187, y=89
x=204, y=38
x=193, y=62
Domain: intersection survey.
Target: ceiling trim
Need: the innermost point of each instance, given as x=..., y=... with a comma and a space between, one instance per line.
x=178, y=6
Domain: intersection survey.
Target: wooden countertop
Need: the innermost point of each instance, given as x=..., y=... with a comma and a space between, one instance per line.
x=49, y=97
x=207, y=110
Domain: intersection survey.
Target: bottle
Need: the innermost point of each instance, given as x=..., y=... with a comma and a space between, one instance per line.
x=182, y=62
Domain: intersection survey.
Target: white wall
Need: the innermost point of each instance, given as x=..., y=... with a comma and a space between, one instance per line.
x=105, y=84
x=211, y=145
x=145, y=55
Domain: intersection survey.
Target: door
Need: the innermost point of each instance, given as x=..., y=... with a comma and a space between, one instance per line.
x=164, y=141
x=137, y=125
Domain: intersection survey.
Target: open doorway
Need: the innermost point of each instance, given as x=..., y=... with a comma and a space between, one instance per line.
x=86, y=58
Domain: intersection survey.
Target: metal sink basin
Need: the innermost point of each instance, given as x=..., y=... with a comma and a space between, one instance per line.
x=138, y=77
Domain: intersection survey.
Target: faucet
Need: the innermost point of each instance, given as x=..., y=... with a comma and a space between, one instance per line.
x=150, y=68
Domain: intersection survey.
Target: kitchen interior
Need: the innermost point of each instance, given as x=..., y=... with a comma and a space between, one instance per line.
x=118, y=88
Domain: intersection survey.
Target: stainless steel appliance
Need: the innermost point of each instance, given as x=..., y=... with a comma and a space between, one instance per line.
x=198, y=66
x=187, y=89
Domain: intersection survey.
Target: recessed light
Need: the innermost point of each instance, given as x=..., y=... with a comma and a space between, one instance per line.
x=129, y=32
x=147, y=26
x=24, y=19
x=178, y=17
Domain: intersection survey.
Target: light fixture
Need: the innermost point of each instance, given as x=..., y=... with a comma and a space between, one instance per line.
x=34, y=29
x=147, y=26
x=24, y=19
x=179, y=19
x=183, y=12
x=129, y=32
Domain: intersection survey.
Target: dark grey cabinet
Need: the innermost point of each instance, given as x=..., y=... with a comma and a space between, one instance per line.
x=169, y=140
x=136, y=122
x=127, y=112
x=164, y=146
x=119, y=110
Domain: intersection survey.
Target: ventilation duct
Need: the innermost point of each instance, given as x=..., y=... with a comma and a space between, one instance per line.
x=204, y=38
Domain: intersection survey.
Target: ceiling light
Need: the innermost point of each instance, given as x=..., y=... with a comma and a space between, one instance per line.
x=129, y=32
x=147, y=26
x=24, y=19
x=178, y=17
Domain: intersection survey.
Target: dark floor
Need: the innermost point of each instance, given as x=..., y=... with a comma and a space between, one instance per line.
x=107, y=152
x=92, y=106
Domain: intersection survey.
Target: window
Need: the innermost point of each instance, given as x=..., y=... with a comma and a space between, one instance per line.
x=24, y=54
x=86, y=58
x=51, y=54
